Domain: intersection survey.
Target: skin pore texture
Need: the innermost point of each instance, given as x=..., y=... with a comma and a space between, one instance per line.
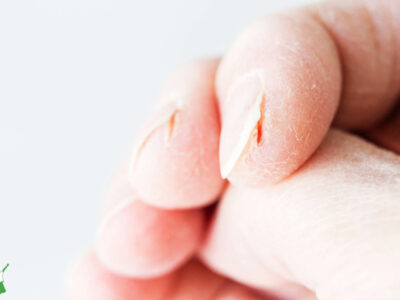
x=294, y=136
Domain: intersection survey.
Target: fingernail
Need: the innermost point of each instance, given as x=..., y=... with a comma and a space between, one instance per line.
x=163, y=114
x=242, y=120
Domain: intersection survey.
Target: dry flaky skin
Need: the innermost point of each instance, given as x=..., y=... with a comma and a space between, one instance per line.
x=333, y=226
x=299, y=79
x=339, y=57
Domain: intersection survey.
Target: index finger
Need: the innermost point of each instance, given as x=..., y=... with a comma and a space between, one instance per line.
x=288, y=75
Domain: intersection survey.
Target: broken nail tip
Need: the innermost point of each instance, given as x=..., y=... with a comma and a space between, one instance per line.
x=167, y=117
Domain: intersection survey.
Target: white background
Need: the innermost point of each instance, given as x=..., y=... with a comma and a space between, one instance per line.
x=77, y=77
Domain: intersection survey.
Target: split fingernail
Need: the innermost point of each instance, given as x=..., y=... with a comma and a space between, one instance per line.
x=164, y=114
x=243, y=116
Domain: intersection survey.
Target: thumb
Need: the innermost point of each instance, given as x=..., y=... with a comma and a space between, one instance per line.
x=334, y=226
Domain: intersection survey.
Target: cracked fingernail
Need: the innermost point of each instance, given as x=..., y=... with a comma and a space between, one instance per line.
x=165, y=114
x=242, y=120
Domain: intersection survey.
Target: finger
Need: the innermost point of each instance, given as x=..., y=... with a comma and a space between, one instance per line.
x=280, y=84
x=333, y=226
x=387, y=134
x=175, y=158
x=135, y=239
x=90, y=281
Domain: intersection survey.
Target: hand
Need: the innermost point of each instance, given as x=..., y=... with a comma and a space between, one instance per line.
x=293, y=222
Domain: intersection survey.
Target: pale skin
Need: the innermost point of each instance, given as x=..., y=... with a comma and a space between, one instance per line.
x=307, y=210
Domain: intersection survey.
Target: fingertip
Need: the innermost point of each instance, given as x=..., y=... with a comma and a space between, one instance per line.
x=278, y=88
x=89, y=280
x=141, y=241
x=175, y=158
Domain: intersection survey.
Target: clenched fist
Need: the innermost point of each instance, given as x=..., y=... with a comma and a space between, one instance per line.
x=304, y=207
